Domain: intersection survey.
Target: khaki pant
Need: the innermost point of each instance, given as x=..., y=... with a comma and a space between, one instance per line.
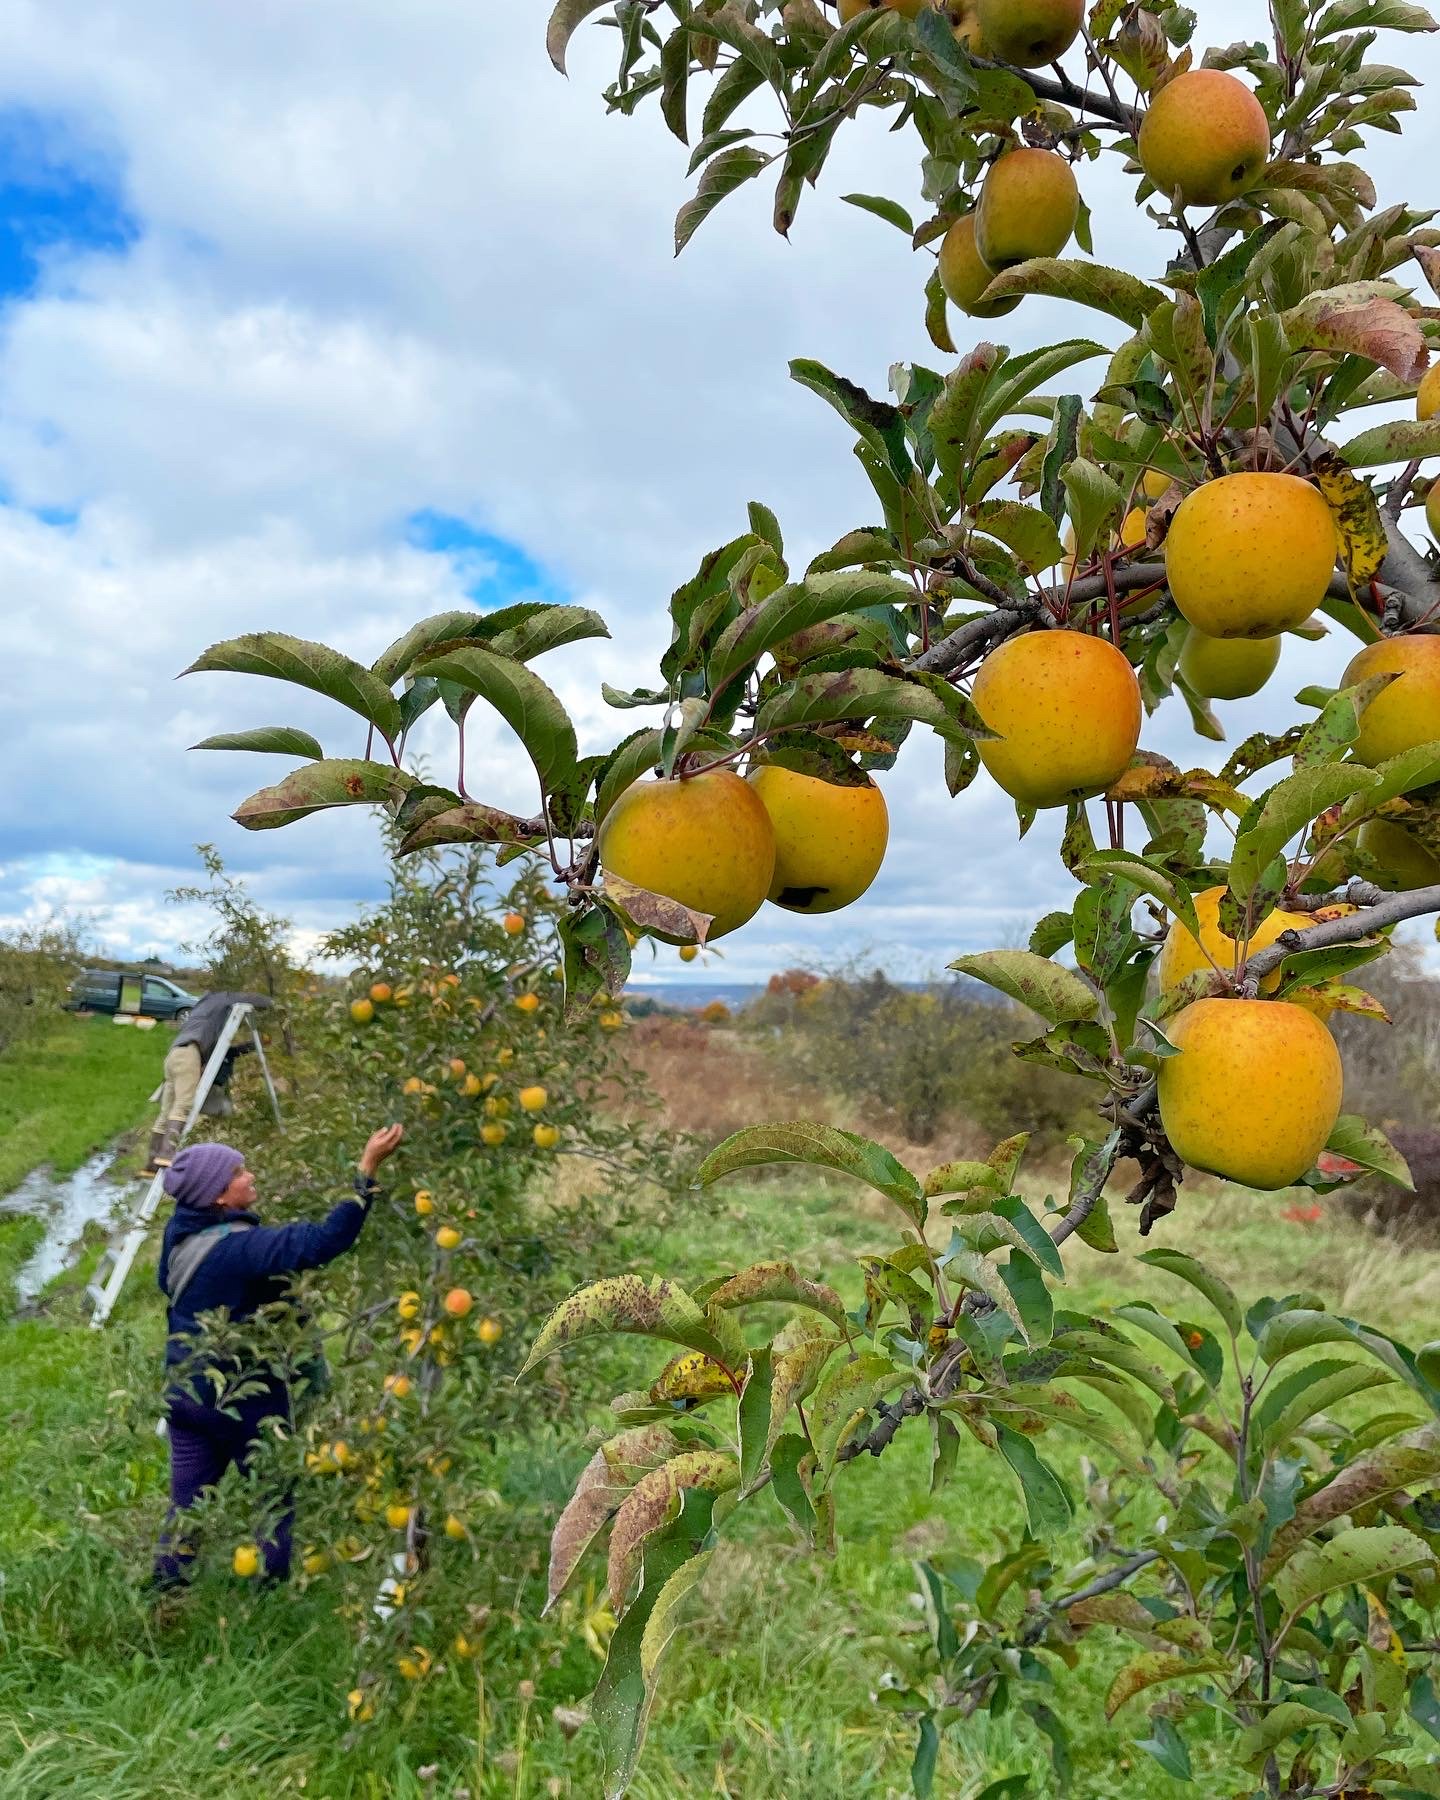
x=183, y=1069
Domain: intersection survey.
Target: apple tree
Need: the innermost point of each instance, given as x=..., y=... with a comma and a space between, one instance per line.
x=1049, y=560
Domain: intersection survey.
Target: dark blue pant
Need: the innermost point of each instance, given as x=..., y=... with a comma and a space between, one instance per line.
x=204, y=1443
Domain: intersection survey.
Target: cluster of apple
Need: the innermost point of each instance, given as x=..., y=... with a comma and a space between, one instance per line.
x=1247, y=557
x=1204, y=141
x=497, y=1106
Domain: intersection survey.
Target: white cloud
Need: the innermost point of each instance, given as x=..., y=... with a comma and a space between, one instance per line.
x=390, y=262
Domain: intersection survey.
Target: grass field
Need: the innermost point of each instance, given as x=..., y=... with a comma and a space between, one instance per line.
x=768, y=1695
x=70, y=1092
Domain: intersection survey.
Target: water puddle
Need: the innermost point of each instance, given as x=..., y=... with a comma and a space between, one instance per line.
x=67, y=1204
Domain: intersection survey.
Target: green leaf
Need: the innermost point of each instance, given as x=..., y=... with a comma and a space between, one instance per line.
x=1093, y=501
x=1150, y=876
x=1030, y=533
x=1402, y=440
x=878, y=422
x=922, y=1765
x=1282, y=812
x=1167, y=1747
x=623, y=1697
x=1289, y=1403
x=674, y=83
x=421, y=639
x=860, y=693
x=279, y=740
x=525, y=703
x=280, y=657
x=1018, y=376
x=1282, y=1721
x=1189, y=1268
x=655, y=1308
x=1415, y=768
x=723, y=174
x=822, y=1146
x=629, y=762
x=1372, y=15
x=1358, y=1557
x=787, y=1455
x=755, y=1425
x=1367, y=1145
x=937, y=324
x=1057, y=994
x=1049, y=1508
x=1113, y=291
x=980, y=1273
x=954, y=421
x=796, y=607
x=316, y=786
x=1059, y=1408
x=1155, y=1667
x=543, y=628
x=1399, y=1466
x=889, y=210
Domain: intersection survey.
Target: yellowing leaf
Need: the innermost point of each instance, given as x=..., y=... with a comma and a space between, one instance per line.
x=1358, y=525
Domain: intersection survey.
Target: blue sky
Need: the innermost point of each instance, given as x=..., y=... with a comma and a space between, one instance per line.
x=325, y=318
x=57, y=199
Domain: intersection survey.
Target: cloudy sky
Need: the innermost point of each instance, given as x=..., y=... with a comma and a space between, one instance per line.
x=324, y=316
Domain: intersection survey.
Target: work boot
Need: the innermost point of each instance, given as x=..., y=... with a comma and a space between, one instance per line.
x=158, y=1149
x=162, y=1149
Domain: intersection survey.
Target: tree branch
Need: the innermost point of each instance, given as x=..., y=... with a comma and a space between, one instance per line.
x=1067, y=93
x=1108, y=1583
x=1348, y=929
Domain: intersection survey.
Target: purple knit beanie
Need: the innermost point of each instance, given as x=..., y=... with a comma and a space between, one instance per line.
x=201, y=1173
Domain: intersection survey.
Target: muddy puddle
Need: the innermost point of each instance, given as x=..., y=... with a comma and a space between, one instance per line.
x=66, y=1204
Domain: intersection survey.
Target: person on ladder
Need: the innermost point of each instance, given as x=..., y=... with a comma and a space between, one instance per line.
x=193, y=1046
x=216, y=1254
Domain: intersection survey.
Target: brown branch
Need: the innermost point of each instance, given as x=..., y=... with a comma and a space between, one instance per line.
x=1106, y=1584
x=1394, y=909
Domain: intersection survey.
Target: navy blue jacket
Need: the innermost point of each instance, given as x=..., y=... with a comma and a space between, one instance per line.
x=250, y=1268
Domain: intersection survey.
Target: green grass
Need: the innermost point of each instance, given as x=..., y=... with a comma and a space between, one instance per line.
x=768, y=1690
x=71, y=1091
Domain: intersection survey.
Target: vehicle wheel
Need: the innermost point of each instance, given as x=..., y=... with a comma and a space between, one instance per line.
x=180, y=1017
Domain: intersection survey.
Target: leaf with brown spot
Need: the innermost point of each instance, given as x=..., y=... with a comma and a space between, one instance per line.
x=691, y=1376
x=1156, y=1666
x=657, y=912
x=317, y=786
x=648, y=1505
x=793, y=1374
x=472, y=823
x=1413, y=1460
x=779, y=1281
x=626, y=1303
x=603, y=1483
x=1356, y=319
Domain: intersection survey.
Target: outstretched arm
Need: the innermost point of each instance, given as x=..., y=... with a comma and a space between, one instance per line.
x=291, y=1249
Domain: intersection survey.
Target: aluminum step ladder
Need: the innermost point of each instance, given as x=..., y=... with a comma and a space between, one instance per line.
x=116, y=1262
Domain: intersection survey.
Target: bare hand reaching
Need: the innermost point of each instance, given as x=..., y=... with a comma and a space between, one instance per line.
x=381, y=1144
